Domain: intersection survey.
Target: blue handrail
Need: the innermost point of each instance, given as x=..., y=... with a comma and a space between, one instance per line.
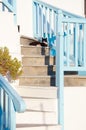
x=56, y=9
x=10, y=103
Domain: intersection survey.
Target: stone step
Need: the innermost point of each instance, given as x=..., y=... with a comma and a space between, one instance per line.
x=40, y=104
x=34, y=117
x=37, y=127
x=38, y=70
x=39, y=99
x=37, y=81
x=38, y=60
x=31, y=50
x=41, y=111
x=37, y=92
x=24, y=40
x=73, y=80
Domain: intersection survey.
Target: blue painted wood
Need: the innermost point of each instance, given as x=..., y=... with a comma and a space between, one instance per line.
x=45, y=23
x=19, y=104
x=63, y=31
x=83, y=73
x=34, y=19
x=12, y=115
x=3, y=7
x=84, y=45
x=11, y=6
x=8, y=5
x=1, y=109
x=10, y=103
x=68, y=45
x=50, y=22
x=6, y=111
x=56, y=9
x=79, y=36
x=59, y=70
x=76, y=30
x=48, y=31
x=38, y=21
x=80, y=46
x=42, y=19
x=10, y=2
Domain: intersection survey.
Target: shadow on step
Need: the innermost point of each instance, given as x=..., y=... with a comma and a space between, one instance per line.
x=33, y=125
x=52, y=81
x=51, y=70
x=49, y=60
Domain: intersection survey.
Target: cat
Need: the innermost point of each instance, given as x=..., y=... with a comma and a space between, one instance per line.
x=37, y=43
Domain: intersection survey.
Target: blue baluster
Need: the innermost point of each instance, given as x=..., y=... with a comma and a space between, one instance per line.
x=45, y=23
x=76, y=30
x=68, y=45
x=12, y=116
x=34, y=19
x=6, y=111
x=84, y=45
x=1, y=109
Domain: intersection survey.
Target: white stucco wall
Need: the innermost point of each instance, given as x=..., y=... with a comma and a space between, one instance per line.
x=25, y=15
x=9, y=36
x=73, y=6
x=75, y=108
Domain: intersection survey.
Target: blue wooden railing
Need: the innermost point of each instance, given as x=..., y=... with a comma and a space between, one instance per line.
x=70, y=52
x=9, y=5
x=10, y=103
x=66, y=35
x=44, y=26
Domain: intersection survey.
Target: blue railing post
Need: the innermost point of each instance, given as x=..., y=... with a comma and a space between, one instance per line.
x=59, y=69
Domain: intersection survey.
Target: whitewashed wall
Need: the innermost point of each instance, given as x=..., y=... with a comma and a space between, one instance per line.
x=25, y=15
x=75, y=108
x=9, y=36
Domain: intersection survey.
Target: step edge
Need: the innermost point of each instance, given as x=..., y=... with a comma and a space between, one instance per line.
x=36, y=56
x=29, y=46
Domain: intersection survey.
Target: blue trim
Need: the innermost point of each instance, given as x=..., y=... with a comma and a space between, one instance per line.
x=19, y=104
x=10, y=2
x=11, y=6
x=10, y=103
x=3, y=7
x=82, y=73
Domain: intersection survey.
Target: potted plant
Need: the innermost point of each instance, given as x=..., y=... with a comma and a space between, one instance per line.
x=10, y=67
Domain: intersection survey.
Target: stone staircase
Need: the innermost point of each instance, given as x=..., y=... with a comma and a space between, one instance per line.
x=34, y=87
x=41, y=101
x=39, y=66
x=41, y=109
